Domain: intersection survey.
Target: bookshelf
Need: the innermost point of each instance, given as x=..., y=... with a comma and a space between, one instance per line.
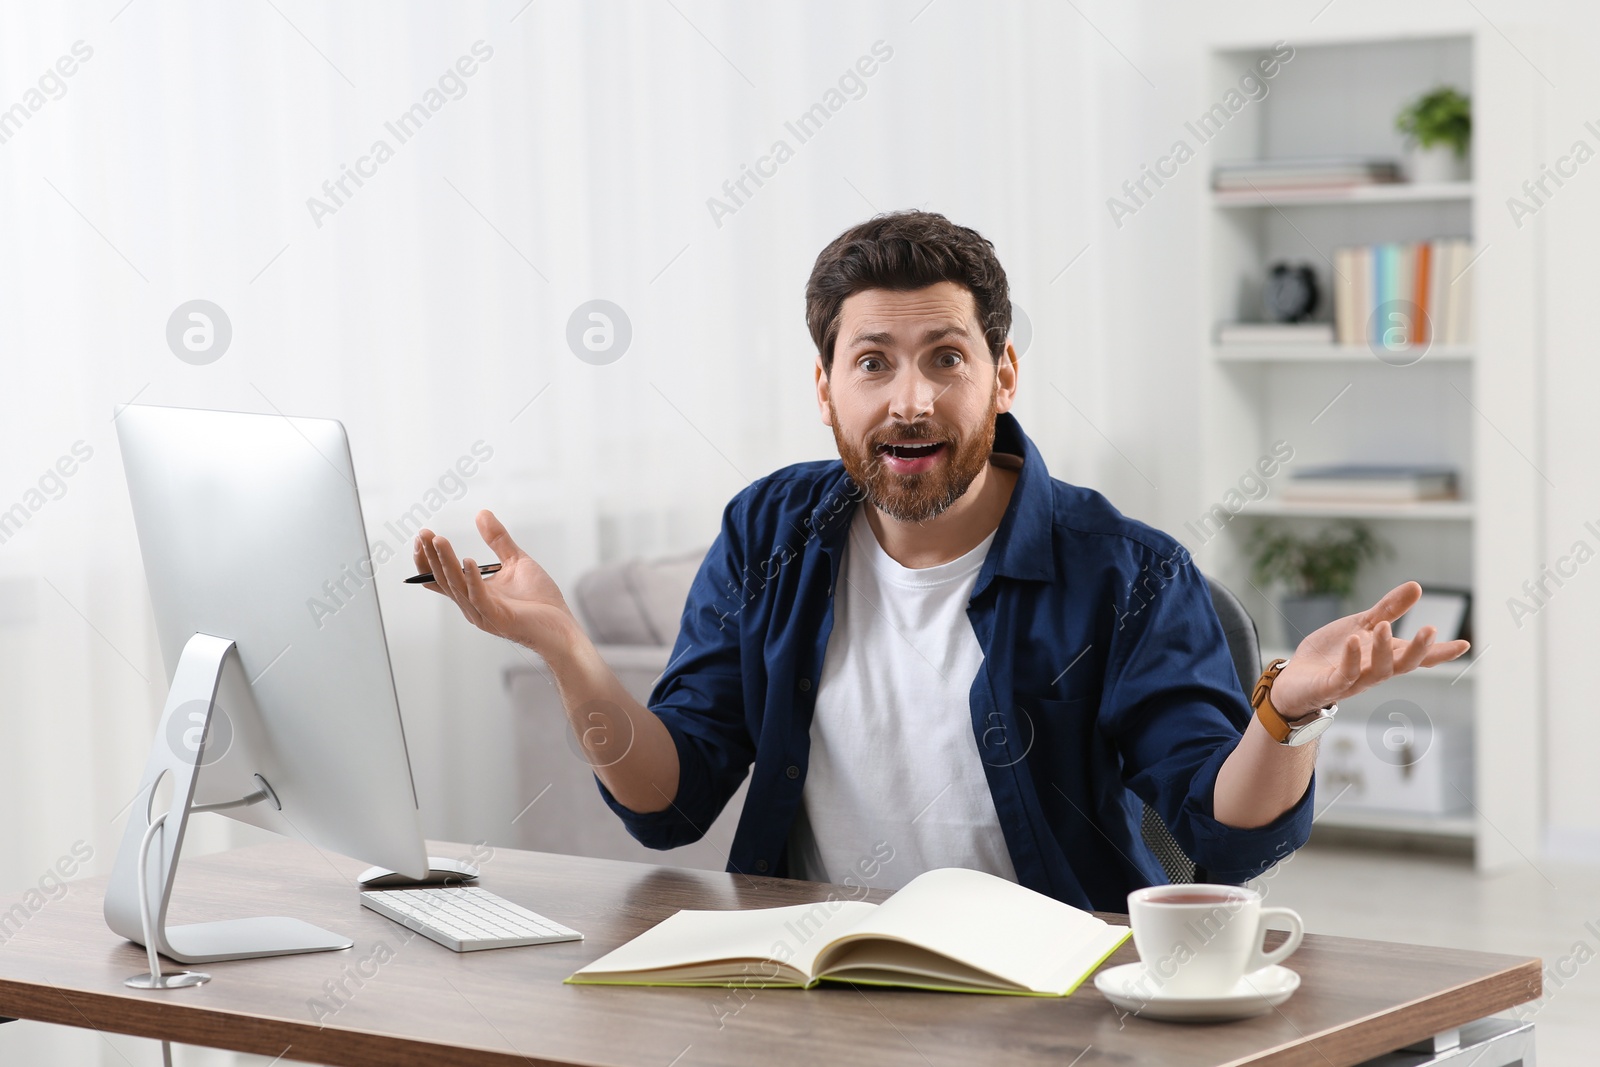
x=1319, y=353
x=1457, y=672
x=1394, y=193
x=1452, y=827
x=1463, y=406
x=1423, y=510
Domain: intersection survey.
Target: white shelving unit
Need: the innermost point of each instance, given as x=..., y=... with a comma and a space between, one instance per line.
x=1264, y=353
x=1421, y=511
x=1457, y=672
x=1455, y=827
x=1392, y=193
x=1340, y=403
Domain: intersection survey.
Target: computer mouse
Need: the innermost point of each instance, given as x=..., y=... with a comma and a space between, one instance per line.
x=441, y=871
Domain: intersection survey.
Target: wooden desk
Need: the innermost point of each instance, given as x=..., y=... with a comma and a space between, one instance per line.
x=398, y=999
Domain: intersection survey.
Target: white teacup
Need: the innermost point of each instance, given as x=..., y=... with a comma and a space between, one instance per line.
x=1199, y=940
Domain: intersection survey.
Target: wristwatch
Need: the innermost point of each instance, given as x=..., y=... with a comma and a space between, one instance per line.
x=1286, y=731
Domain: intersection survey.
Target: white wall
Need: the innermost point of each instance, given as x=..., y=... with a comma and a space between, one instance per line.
x=1566, y=225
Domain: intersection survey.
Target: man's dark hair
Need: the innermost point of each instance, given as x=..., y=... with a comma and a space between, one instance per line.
x=906, y=250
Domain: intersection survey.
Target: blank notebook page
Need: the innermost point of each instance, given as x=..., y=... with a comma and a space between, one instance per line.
x=794, y=934
x=996, y=926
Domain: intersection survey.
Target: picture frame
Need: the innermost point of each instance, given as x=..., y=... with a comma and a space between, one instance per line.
x=1448, y=610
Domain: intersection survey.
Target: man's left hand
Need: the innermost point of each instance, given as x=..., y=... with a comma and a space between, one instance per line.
x=1356, y=653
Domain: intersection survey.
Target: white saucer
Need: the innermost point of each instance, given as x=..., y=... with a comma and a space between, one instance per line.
x=1255, y=994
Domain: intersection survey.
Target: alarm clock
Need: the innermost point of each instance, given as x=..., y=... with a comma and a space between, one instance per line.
x=1290, y=294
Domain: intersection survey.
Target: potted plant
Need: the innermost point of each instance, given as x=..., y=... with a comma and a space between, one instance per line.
x=1438, y=129
x=1317, y=572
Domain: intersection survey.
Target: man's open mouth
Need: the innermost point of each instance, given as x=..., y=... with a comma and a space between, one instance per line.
x=911, y=450
x=908, y=458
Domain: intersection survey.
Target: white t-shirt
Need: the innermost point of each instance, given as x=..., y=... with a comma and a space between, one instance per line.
x=895, y=786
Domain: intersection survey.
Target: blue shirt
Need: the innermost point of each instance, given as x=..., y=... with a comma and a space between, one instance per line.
x=1106, y=684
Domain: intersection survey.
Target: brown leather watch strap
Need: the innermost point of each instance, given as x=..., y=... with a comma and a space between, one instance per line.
x=1261, y=700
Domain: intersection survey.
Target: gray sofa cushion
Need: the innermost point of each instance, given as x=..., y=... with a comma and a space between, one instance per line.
x=637, y=602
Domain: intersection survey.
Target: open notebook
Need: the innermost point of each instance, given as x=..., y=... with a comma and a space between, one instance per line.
x=948, y=929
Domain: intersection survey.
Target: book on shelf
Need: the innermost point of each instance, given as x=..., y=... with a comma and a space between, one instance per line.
x=1275, y=333
x=1427, y=275
x=1265, y=175
x=1371, y=483
x=949, y=929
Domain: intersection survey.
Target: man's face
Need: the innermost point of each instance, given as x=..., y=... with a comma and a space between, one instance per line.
x=912, y=396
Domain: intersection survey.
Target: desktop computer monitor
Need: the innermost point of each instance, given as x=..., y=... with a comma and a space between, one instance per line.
x=282, y=710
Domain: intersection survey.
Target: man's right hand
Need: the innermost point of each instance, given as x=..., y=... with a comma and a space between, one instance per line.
x=520, y=603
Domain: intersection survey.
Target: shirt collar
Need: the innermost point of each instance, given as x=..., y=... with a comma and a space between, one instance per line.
x=1023, y=545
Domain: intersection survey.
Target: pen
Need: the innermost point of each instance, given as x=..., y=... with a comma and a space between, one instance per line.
x=483, y=568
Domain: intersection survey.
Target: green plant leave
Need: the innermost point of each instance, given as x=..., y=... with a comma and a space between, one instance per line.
x=1440, y=116
x=1324, y=564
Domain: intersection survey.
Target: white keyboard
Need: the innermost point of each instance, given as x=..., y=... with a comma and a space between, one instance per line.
x=466, y=918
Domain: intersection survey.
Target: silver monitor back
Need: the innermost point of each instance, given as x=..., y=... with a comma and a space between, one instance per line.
x=243, y=520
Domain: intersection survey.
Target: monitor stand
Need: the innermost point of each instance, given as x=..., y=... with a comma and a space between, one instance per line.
x=159, y=837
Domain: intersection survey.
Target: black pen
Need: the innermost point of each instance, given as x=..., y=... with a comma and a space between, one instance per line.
x=483, y=568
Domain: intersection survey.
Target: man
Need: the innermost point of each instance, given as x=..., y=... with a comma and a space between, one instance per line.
x=929, y=653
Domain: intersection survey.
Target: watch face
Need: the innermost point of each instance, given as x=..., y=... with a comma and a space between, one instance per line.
x=1299, y=735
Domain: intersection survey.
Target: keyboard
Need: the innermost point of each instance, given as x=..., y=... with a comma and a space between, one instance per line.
x=466, y=918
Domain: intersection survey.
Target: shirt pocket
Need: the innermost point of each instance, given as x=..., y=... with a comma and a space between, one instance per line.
x=1038, y=729
x=1066, y=745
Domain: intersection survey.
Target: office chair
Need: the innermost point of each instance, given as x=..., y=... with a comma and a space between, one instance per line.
x=1244, y=645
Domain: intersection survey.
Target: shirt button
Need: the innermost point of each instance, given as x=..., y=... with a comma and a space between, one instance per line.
x=805, y=685
x=761, y=865
x=793, y=771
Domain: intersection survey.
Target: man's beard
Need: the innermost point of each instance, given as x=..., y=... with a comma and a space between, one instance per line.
x=916, y=497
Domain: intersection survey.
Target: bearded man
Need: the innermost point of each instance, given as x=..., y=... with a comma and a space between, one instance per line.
x=931, y=650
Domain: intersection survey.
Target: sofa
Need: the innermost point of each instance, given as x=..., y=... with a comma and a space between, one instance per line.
x=631, y=611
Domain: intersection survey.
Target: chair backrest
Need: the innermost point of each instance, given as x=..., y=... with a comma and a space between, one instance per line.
x=1244, y=646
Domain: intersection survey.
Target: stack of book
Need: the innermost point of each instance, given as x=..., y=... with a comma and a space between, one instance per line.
x=1365, y=483
x=1429, y=296
x=1324, y=172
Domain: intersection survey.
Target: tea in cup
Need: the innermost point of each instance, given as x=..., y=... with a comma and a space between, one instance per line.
x=1199, y=940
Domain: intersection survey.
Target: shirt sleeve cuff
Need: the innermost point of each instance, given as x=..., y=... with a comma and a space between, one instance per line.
x=1232, y=855
x=670, y=827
